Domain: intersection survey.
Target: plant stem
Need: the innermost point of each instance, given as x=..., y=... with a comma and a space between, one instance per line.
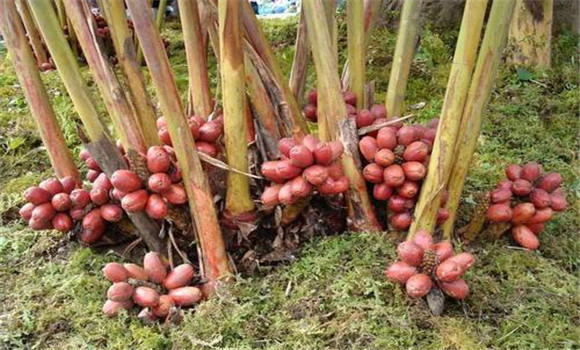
x=32, y=31
x=404, y=50
x=361, y=215
x=114, y=11
x=356, y=49
x=35, y=92
x=450, y=119
x=482, y=81
x=196, y=58
x=238, y=197
x=208, y=233
x=300, y=61
x=160, y=20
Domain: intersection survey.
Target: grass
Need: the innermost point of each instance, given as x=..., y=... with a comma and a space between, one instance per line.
x=334, y=295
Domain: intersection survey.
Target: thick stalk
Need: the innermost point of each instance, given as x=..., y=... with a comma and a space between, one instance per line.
x=113, y=94
x=196, y=58
x=361, y=215
x=238, y=197
x=356, y=49
x=208, y=233
x=300, y=61
x=404, y=50
x=114, y=12
x=450, y=118
x=160, y=19
x=35, y=92
x=482, y=81
x=32, y=31
x=101, y=145
x=531, y=33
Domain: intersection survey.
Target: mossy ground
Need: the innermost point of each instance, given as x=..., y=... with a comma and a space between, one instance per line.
x=334, y=295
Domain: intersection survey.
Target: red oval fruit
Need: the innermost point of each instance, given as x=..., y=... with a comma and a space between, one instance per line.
x=145, y=296
x=410, y=253
x=423, y=240
x=442, y=215
x=102, y=182
x=135, y=271
x=120, y=291
x=158, y=182
x=558, y=201
x=268, y=170
x=111, y=212
x=368, y=147
x=135, y=201
x=429, y=136
x=540, y=198
x=61, y=202
x=84, y=154
x=37, y=195
x=464, y=260
x=379, y=110
x=522, y=212
x=525, y=237
x=92, y=164
x=194, y=128
x=164, y=306
x=210, y=131
x=341, y=185
x=513, y=172
x=90, y=236
x=316, y=174
x=269, y=197
x=156, y=207
x=126, y=180
x=43, y=212
x=115, y=272
x=373, y=173
x=364, y=117
x=541, y=216
x=337, y=149
x=26, y=211
x=349, y=97
x=407, y=135
x=382, y=192
x=62, y=222
x=301, y=156
x=444, y=250
x=550, y=182
x=449, y=271
x=394, y=175
x=112, y=308
x=155, y=267
x=286, y=170
x=310, y=141
x=147, y=316
x=207, y=148
x=175, y=194
x=499, y=213
x=186, y=296
x=285, y=195
x=92, y=175
x=397, y=204
x=312, y=97
x=400, y=272
x=335, y=171
x=387, y=138
x=39, y=225
x=80, y=198
x=531, y=171
x=310, y=113
x=164, y=136
x=323, y=153
x=500, y=195
x=158, y=160
x=52, y=186
x=384, y=157
x=536, y=228
x=416, y=152
x=408, y=189
x=77, y=214
x=414, y=171
x=99, y=196
x=175, y=174
x=418, y=285
x=285, y=145
x=457, y=289
x=300, y=187
x=180, y=276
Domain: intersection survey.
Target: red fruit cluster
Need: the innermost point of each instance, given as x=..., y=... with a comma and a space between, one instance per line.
x=397, y=158
x=304, y=167
x=424, y=264
x=364, y=117
x=205, y=133
x=163, y=185
x=527, y=198
x=151, y=287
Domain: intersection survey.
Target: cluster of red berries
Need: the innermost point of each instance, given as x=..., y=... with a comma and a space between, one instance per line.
x=205, y=133
x=305, y=165
x=424, y=264
x=158, y=292
x=527, y=199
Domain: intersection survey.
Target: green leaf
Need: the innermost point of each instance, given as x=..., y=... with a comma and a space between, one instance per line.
x=16, y=142
x=524, y=74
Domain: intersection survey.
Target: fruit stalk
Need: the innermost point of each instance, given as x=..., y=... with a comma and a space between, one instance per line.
x=208, y=233
x=403, y=56
x=450, y=118
x=35, y=93
x=482, y=81
x=360, y=210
